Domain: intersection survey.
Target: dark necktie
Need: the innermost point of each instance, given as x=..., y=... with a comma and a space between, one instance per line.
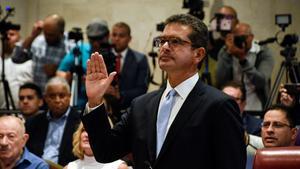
x=118, y=63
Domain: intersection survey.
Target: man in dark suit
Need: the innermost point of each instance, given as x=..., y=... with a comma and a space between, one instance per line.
x=51, y=133
x=201, y=120
x=131, y=66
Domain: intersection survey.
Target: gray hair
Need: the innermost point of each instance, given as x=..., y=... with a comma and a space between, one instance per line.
x=56, y=81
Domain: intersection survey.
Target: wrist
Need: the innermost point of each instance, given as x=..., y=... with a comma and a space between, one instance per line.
x=94, y=103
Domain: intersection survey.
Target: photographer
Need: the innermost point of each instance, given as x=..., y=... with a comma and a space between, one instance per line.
x=98, y=34
x=219, y=31
x=241, y=59
x=16, y=74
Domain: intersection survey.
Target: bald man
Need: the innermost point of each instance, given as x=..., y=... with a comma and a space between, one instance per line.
x=243, y=60
x=13, y=138
x=46, y=45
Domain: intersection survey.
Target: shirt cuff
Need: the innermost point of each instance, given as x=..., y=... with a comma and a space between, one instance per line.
x=89, y=109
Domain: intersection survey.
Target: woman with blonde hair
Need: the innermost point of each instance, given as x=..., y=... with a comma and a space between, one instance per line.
x=82, y=150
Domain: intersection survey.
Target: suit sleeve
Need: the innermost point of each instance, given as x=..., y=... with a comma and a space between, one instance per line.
x=229, y=145
x=107, y=144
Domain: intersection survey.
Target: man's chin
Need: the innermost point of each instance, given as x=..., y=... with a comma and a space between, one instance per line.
x=269, y=145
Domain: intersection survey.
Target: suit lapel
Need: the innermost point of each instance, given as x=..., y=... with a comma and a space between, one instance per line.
x=152, y=109
x=188, y=108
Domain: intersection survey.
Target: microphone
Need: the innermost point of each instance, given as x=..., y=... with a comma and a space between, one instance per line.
x=269, y=40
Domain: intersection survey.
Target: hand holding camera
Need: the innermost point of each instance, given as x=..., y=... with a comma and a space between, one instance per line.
x=236, y=46
x=287, y=95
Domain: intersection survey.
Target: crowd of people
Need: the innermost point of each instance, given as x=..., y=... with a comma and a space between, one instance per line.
x=116, y=124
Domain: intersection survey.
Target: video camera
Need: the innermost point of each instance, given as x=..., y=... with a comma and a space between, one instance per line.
x=221, y=23
x=76, y=34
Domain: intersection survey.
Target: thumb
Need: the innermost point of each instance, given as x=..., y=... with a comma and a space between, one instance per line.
x=111, y=76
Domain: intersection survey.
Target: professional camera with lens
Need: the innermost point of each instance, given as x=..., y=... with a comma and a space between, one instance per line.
x=221, y=23
x=240, y=41
x=75, y=34
x=293, y=89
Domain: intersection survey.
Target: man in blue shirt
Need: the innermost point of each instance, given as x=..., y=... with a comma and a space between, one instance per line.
x=98, y=34
x=51, y=132
x=13, y=138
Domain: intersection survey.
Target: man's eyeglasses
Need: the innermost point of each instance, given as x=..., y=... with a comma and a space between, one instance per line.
x=276, y=125
x=172, y=41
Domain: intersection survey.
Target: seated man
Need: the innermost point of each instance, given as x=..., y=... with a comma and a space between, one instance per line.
x=278, y=127
x=238, y=92
x=30, y=99
x=13, y=153
x=51, y=132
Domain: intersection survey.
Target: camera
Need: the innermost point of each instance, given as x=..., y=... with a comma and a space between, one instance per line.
x=289, y=40
x=160, y=27
x=75, y=34
x=240, y=41
x=221, y=23
x=293, y=89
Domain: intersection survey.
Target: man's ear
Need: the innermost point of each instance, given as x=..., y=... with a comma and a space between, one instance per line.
x=294, y=133
x=25, y=138
x=199, y=54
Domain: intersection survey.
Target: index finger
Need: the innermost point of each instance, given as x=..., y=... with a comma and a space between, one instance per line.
x=99, y=64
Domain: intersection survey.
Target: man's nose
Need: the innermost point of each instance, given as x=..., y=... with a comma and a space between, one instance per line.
x=4, y=141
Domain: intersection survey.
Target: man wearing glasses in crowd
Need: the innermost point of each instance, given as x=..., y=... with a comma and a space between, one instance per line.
x=278, y=127
x=193, y=135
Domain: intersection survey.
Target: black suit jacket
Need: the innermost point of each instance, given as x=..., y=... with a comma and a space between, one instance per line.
x=134, y=78
x=207, y=133
x=37, y=128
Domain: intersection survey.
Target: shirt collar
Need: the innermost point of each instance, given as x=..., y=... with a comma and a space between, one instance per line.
x=64, y=116
x=123, y=53
x=255, y=48
x=24, y=157
x=185, y=87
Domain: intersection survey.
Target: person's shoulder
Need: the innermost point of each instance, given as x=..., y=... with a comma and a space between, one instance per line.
x=146, y=98
x=137, y=54
x=212, y=92
x=35, y=160
x=37, y=118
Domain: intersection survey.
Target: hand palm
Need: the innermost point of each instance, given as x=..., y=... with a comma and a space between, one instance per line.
x=97, y=80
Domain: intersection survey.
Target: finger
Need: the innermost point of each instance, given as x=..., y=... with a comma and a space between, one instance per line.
x=102, y=66
x=88, y=68
x=111, y=77
x=97, y=63
x=92, y=63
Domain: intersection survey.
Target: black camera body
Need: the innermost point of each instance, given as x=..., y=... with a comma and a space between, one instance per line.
x=75, y=34
x=240, y=41
x=293, y=89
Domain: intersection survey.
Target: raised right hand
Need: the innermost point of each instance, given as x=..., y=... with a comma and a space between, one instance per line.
x=97, y=80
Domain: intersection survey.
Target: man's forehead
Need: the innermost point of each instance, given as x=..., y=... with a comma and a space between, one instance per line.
x=176, y=29
x=275, y=115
